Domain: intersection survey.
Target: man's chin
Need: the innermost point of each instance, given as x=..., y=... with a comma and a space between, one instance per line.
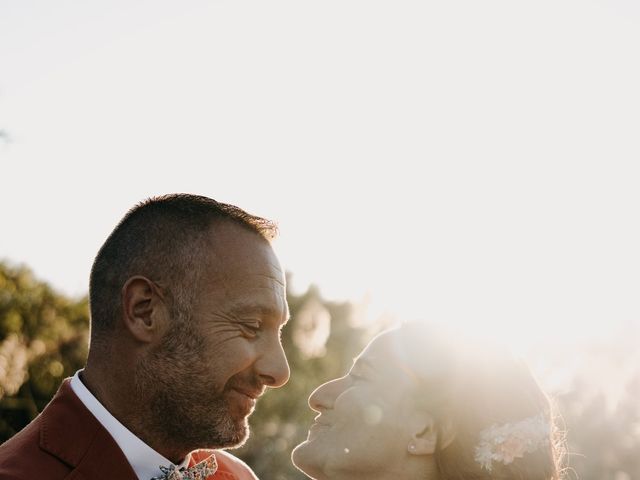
x=237, y=442
x=233, y=436
x=230, y=427
x=238, y=404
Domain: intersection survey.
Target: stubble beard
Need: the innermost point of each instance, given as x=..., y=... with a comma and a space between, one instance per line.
x=182, y=409
x=197, y=425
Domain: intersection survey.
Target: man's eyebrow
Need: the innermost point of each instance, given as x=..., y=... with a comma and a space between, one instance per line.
x=253, y=308
x=260, y=309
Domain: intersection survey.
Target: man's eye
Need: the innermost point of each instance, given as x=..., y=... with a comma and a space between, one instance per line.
x=251, y=327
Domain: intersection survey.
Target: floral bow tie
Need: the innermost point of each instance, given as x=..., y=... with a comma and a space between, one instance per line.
x=200, y=471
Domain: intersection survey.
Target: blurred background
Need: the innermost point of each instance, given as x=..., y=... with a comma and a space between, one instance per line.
x=468, y=162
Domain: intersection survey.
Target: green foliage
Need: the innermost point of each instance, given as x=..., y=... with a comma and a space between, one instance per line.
x=43, y=339
x=49, y=332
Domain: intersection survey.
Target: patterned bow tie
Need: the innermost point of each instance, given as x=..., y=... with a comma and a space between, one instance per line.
x=200, y=471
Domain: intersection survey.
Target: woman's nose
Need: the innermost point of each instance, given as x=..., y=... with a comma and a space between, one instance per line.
x=324, y=396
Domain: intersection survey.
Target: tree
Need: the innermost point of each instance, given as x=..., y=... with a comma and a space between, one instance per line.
x=43, y=339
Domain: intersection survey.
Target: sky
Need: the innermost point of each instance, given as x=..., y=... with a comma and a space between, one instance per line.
x=467, y=161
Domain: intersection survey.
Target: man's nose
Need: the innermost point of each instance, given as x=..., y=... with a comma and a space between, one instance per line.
x=272, y=366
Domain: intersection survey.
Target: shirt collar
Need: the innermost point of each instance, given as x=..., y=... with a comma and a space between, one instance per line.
x=144, y=460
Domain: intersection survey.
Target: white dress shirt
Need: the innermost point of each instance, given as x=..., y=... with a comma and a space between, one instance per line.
x=144, y=460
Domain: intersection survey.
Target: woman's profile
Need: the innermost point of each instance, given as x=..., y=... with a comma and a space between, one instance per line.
x=421, y=402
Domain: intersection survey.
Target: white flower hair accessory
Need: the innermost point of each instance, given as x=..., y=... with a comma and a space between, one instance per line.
x=504, y=443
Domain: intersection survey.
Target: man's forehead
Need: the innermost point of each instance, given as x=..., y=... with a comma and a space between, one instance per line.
x=227, y=234
x=247, y=251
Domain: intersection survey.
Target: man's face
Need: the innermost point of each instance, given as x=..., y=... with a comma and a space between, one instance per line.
x=211, y=371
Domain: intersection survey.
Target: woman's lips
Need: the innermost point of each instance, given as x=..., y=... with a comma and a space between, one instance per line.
x=316, y=429
x=321, y=420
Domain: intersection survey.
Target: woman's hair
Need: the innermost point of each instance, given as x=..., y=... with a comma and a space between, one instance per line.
x=489, y=399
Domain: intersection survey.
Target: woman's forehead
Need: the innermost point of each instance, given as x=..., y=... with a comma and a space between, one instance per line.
x=383, y=350
x=382, y=363
x=398, y=352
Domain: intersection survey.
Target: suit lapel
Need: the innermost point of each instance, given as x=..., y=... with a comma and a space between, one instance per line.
x=71, y=433
x=103, y=461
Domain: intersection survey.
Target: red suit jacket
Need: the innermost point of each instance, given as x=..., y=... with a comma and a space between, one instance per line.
x=66, y=442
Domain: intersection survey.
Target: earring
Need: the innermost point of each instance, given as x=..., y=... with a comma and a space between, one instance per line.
x=412, y=448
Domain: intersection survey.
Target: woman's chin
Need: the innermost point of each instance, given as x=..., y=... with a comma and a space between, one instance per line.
x=305, y=459
x=298, y=455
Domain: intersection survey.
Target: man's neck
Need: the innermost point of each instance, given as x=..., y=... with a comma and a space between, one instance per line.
x=127, y=409
x=143, y=458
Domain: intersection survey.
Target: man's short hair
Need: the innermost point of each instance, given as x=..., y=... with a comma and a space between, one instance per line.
x=161, y=238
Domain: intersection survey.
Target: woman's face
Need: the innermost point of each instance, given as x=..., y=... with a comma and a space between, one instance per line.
x=361, y=430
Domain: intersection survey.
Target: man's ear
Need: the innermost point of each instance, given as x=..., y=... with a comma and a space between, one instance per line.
x=425, y=435
x=143, y=309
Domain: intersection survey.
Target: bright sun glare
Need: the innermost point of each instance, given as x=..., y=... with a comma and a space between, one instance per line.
x=473, y=163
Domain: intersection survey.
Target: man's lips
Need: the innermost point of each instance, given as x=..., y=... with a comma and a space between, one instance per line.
x=244, y=400
x=252, y=394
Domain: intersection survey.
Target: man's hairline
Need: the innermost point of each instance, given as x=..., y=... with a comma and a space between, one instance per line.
x=207, y=241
